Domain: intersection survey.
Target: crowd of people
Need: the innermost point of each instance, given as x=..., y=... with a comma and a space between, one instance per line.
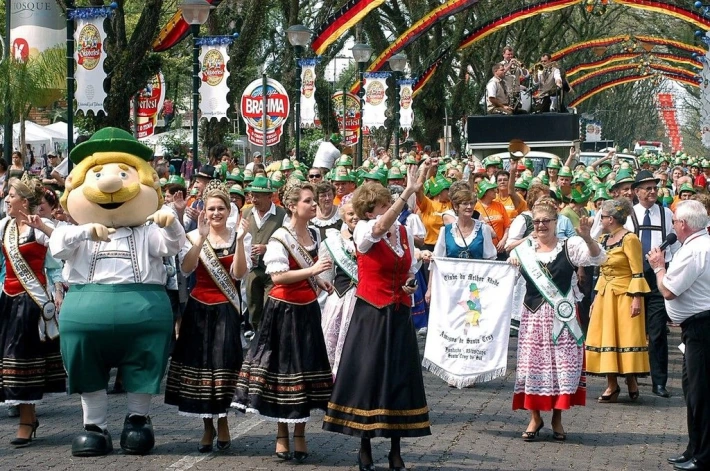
x=299, y=288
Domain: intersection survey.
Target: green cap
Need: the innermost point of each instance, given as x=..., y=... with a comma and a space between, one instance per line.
x=277, y=179
x=623, y=176
x=111, y=140
x=261, y=184
x=580, y=197
x=298, y=175
x=565, y=172
x=601, y=194
x=484, y=186
x=438, y=185
x=286, y=164
x=522, y=183
x=344, y=161
x=395, y=173
x=554, y=163
x=236, y=189
x=686, y=187
x=342, y=175
x=176, y=179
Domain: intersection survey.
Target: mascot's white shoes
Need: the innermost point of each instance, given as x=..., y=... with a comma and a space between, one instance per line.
x=137, y=437
x=93, y=442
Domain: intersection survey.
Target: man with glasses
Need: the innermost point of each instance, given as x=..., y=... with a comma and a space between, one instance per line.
x=315, y=176
x=652, y=223
x=685, y=285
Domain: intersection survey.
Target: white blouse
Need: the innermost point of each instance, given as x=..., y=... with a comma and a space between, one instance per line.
x=364, y=240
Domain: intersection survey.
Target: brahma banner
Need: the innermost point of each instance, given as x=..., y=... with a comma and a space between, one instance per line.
x=90, y=54
x=469, y=320
x=373, y=113
x=277, y=110
x=308, y=92
x=348, y=116
x=213, y=80
x=406, y=112
x=150, y=102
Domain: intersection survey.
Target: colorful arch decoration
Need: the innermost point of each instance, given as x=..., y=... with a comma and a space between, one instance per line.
x=336, y=24
x=624, y=67
x=424, y=78
x=605, y=42
x=628, y=79
x=175, y=30
x=631, y=55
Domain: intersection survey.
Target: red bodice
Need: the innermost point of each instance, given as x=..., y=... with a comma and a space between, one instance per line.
x=34, y=254
x=381, y=273
x=206, y=290
x=295, y=293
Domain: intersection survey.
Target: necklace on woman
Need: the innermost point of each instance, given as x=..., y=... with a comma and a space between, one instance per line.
x=302, y=239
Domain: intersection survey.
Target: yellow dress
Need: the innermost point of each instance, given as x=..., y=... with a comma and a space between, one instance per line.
x=616, y=342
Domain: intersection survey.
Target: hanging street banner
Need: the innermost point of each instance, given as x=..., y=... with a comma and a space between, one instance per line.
x=406, y=112
x=308, y=92
x=213, y=76
x=36, y=27
x=150, y=102
x=469, y=320
x=277, y=110
x=373, y=113
x=90, y=54
x=349, y=124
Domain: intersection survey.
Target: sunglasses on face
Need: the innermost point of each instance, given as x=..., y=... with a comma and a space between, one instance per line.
x=314, y=175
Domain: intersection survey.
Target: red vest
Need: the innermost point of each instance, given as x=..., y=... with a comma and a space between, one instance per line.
x=206, y=290
x=294, y=293
x=381, y=274
x=34, y=254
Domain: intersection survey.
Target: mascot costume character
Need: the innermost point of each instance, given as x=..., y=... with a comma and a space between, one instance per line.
x=116, y=312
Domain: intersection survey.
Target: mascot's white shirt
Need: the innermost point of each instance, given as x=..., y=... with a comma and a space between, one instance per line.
x=114, y=262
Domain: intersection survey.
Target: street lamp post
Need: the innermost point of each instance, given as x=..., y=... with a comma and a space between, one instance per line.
x=195, y=13
x=397, y=63
x=361, y=53
x=298, y=36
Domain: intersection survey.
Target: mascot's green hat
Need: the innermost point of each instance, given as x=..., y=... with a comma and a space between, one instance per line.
x=113, y=139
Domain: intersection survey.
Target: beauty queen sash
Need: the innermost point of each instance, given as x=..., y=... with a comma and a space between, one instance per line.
x=217, y=272
x=563, y=305
x=48, y=325
x=297, y=251
x=341, y=257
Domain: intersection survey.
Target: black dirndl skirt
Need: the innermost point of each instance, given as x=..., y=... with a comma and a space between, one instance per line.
x=379, y=390
x=28, y=367
x=206, y=360
x=286, y=373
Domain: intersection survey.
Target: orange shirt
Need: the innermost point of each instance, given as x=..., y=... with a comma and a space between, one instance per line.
x=496, y=216
x=510, y=207
x=431, y=211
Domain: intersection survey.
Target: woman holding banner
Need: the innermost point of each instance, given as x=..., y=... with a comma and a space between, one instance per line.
x=379, y=391
x=550, y=345
x=207, y=357
x=286, y=373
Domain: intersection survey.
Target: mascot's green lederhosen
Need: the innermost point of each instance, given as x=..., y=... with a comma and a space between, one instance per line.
x=116, y=312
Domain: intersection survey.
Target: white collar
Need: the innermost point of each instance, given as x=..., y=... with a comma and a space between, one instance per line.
x=271, y=211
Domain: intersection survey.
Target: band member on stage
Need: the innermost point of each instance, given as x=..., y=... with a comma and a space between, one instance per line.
x=515, y=73
x=497, y=101
x=548, y=78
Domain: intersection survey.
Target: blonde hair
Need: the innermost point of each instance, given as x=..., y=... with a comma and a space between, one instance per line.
x=367, y=196
x=28, y=188
x=216, y=189
x=545, y=205
x=146, y=173
x=292, y=193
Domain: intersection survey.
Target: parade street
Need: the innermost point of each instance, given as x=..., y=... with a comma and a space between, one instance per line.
x=472, y=428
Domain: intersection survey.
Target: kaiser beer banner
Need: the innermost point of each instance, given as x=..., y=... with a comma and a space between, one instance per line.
x=150, y=102
x=213, y=76
x=406, y=112
x=348, y=116
x=277, y=109
x=90, y=54
x=373, y=113
x=308, y=92
x=469, y=320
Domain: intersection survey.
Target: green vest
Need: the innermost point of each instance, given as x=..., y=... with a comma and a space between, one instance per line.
x=262, y=235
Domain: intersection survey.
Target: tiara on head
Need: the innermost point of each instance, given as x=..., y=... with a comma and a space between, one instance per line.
x=215, y=185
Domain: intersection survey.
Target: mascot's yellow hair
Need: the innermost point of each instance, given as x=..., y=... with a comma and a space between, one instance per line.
x=146, y=173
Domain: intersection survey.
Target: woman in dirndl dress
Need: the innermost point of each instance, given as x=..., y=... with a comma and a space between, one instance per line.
x=550, y=342
x=30, y=362
x=340, y=303
x=207, y=357
x=286, y=373
x=379, y=390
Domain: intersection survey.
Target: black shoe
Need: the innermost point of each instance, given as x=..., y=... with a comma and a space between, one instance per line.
x=137, y=437
x=283, y=455
x=208, y=448
x=223, y=445
x=532, y=436
x=19, y=442
x=690, y=465
x=392, y=466
x=93, y=442
x=364, y=467
x=661, y=391
x=611, y=398
x=299, y=455
x=678, y=459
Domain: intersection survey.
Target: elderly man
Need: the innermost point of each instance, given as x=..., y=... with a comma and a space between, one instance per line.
x=685, y=286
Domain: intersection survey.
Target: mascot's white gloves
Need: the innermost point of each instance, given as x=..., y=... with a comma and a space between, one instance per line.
x=162, y=218
x=99, y=232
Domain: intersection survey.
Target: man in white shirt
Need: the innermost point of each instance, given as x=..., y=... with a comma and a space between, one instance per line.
x=497, y=101
x=549, y=80
x=685, y=285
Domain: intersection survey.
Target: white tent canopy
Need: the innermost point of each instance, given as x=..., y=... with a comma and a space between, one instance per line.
x=41, y=139
x=61, y=129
